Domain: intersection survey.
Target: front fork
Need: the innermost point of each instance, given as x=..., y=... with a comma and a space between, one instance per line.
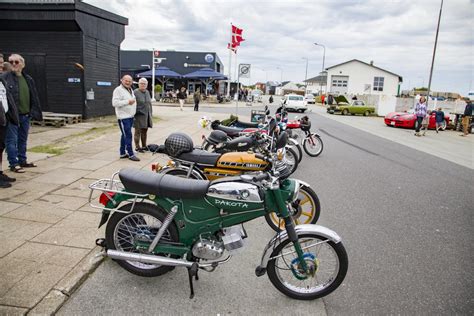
x=284, y=210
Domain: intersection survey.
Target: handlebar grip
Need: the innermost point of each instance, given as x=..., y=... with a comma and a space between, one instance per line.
x=263, y=176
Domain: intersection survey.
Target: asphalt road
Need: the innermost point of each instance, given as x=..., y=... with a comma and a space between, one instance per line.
x=406, y=220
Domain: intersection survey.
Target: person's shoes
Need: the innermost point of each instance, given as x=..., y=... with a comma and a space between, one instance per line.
x=17, y=169
x=424, y=133
x=139, y=149
x=123, y=156
x=5, y=178
x=436, y=131
x=134, y=158
x=145, y=148
x=4, y=184
x=463, y=135
x=27, y=165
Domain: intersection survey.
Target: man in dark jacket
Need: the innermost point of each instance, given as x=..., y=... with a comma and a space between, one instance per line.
x=466, y=117
x=8, y=115
x=26, y=99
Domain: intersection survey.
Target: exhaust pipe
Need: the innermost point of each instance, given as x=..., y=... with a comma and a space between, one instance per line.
x=164, y=261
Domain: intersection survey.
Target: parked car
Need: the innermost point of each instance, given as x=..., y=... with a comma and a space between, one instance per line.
x=309, y=98
x=408, y=119
x=355, y=107
x=294, y=102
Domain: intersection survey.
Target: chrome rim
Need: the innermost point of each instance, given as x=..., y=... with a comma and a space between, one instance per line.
x=137, y=227
x=290, y=159
x=313, y=144
x=326, y=264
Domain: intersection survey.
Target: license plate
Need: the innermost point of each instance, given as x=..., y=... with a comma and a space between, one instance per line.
x=392, y=123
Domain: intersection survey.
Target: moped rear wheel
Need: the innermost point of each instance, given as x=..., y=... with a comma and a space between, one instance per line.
x=326, y=261
x=291, y=159
x=313, y=145
x=307, y=210
x=125, y=230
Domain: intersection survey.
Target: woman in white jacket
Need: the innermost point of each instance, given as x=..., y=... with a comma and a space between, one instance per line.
x=124, y=102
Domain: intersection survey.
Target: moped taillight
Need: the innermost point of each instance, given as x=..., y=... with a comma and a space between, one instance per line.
x=105, y=197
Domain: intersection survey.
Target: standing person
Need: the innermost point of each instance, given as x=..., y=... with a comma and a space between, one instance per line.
x=425, y=122
x=322, y=99
x=182, y=97
x=8, y=115
x=144, y=115
x=124, y=102
x=466, y=117
x=330, y=99
x=197, y=98
x=420, y=112
x=439, y=115
x=26, y=101
x=270, y=99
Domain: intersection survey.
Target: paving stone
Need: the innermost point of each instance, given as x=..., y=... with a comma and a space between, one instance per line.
x=39, y=211
x=12, y=271
x=14, y=232
x=89, y=164
x=49, y=164
x=12, y=311
x=33, y=287
x=79, y=188
x=62, y=176
x=66, y=202
x=109, y=155
x=80, y=229
x=49, y=254
x=50, y=304
x=10, y=193
x=6, y=207
x=107, y=171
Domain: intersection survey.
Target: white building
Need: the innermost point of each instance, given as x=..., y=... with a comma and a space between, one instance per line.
x=289, y=87
x=357, y=77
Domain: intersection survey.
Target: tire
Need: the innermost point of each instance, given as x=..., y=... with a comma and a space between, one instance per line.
x=144, y=220
x=307, y=210
x=313, y=145
x=292, y=159
x=344, y=112
x=281, y=270
x=297, y=148
x=366, y=113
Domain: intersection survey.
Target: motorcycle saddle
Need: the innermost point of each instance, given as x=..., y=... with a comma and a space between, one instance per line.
x=200, y=157
x=231, y=131
x=245, y=124
x=162, y=185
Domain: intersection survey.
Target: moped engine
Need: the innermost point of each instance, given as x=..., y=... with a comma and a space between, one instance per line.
x=208, y=249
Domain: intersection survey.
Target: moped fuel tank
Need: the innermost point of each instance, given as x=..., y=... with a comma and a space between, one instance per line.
x=235, y=196
x=242, y=161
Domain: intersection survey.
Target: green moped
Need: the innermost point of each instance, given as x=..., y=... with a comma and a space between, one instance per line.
x=156, y=222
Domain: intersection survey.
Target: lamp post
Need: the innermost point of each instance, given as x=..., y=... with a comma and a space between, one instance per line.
x=305, y=75
x=324, y=57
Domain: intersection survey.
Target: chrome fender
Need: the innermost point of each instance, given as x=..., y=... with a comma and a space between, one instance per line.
x=300, y=230
x=302, y=183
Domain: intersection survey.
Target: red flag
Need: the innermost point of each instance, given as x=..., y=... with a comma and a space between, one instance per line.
x=237, y=35
x=232, y=47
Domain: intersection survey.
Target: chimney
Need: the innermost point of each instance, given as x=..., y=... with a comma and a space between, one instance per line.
x=371, y=62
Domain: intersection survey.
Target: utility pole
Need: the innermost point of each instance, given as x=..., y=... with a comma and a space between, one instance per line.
x=434, y=53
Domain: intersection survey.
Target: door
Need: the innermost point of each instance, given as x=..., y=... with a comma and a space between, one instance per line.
x=339, y=84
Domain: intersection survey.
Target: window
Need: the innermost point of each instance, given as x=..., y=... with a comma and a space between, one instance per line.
x=378, y=83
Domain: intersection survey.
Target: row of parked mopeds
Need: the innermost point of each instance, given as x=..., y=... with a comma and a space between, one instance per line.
x=191, y=212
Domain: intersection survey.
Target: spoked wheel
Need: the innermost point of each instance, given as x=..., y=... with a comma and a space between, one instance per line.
x=326, y=261
x=306, y=210
x=125, y=231
x=295, y=145
x=313, y=145
x=291, y=159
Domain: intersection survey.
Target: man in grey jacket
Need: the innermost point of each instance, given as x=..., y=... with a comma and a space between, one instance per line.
x=124, y=102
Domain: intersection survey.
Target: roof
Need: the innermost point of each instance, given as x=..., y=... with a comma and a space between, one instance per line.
x=318, y=79
x=400, y=78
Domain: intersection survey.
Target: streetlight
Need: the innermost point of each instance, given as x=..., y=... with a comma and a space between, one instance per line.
x=305, y=75
x=281, y=74
x=324, y=57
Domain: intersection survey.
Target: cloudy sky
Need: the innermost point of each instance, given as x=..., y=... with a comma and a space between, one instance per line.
x=398, y=35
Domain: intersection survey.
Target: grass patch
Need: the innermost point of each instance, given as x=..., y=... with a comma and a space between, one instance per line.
x=48, y=149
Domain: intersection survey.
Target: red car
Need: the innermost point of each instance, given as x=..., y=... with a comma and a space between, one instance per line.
x=408, y=119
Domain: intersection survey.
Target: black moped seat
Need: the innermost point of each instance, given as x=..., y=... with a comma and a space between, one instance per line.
x=201, y=157
x=244, y=124
x=162, y=185
x=231, y=131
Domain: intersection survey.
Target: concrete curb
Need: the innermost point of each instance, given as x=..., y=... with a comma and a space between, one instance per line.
x=61, y=292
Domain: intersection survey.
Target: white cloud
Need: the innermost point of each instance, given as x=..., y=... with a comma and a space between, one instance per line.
x=397, y=35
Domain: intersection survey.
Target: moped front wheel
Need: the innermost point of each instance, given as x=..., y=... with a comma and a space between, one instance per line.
x=326, y=263
x=125, y=231
x=291, y=159
x=307, y=210
x=313, y=145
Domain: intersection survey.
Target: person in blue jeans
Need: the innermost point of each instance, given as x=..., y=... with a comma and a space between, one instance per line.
x=26, y=99
x=439, y=119
x=125, y=104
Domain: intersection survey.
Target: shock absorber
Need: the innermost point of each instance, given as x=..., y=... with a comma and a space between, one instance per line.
x=164, y=226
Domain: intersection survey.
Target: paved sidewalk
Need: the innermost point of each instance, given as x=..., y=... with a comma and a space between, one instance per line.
x=47, y=228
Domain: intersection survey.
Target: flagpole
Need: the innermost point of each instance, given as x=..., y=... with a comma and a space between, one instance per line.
x=230, y=59
x=238, y=84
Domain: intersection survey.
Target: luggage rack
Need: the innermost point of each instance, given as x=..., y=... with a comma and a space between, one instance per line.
x=109, y=186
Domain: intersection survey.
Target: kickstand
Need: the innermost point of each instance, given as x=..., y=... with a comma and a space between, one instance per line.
x=192, y=271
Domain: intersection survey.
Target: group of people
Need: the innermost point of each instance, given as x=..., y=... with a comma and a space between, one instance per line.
x=19, y=103
x=423, y=117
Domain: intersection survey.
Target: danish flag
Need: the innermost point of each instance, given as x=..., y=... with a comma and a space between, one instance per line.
x=236, y=39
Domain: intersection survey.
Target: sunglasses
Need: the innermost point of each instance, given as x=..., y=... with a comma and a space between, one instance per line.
x=14, y=62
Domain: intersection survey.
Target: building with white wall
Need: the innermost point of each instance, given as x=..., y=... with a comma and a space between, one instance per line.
x=356, y=77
